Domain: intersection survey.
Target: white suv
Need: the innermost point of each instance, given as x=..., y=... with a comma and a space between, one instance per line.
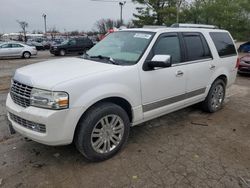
x=130, y=77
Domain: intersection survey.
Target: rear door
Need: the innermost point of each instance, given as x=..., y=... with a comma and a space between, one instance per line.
x=80, y=45
x=198, y=60
x=72, y=46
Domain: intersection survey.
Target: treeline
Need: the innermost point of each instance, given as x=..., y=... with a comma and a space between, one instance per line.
x=232, y=15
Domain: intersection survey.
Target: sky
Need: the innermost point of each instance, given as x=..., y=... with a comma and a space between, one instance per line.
x=65, y=15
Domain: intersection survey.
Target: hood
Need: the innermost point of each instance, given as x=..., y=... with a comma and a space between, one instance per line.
x=46, y=75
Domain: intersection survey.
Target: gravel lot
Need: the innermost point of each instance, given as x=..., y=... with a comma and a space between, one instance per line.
x=187, y=148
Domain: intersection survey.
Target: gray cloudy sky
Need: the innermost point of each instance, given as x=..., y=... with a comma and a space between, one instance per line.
x=63, y=14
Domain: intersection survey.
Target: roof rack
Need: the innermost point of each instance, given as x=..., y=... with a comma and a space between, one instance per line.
x=184, y=25
x=154, y=26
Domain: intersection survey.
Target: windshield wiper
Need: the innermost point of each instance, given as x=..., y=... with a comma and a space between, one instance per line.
x=110, y=59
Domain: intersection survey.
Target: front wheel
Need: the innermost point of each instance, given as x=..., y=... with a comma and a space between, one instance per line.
x=26, y=55
x=102, y=132
x=62, y=52
x=215, y=97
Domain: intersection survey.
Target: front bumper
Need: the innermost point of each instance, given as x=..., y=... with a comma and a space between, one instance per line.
x=60, y=124
x=54, y=51
x=244, y=70
x=34, y=52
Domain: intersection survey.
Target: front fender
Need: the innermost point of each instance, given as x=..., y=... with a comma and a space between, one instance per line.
x=95, y=94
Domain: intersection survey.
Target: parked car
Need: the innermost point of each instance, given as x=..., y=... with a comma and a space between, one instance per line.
x=37, y=45
x=244, y=65
x=128, y=78
x=94, y=39
x=46, y=44
x=10, y=49
x=56, y=41
x=75, y=45
x=245, y=48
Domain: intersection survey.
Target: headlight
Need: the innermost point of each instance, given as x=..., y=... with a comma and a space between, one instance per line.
x=49, y=99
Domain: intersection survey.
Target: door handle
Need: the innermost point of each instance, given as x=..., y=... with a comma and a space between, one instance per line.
x=212, y=67
x=179, y=73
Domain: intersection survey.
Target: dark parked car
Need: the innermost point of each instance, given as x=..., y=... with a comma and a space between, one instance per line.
x=244, y=66
x=75, y=45
x=38, y=45
x=244, y=47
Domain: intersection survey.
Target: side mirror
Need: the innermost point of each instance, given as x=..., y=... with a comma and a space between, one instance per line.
x=160, y=61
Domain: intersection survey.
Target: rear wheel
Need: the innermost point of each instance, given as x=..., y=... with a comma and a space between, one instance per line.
x=26, y=55
x=215, y=97
x=102, y=132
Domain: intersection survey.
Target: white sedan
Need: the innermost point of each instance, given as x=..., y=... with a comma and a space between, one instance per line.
x=13, y=49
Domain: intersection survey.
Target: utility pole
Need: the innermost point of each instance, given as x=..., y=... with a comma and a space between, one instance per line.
x=121, y=4
x=178, y=11
x=45, y=24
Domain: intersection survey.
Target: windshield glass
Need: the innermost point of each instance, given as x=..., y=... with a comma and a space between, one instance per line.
x=124, y=47
x=65, y=42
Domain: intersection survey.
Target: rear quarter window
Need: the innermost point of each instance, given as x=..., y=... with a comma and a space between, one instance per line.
x=223, y=43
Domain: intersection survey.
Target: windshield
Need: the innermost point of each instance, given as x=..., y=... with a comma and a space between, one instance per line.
x=124, y=47
x=65, y=42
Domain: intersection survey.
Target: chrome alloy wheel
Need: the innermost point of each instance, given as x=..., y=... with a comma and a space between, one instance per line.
x=107, y=134
x=217, y=97
x=26, y=55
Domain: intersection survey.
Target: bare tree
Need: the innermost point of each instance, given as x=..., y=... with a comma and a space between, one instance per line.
x=179, y=3
x=37, y=32
x=23, y=25
x=74, y=33
x=53, y=31
x=104, y=25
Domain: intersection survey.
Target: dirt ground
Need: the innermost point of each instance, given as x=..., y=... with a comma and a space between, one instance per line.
x=187, y=148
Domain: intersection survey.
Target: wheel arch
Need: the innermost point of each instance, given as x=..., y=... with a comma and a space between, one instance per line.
x=123, y=103
x=26, y=51
x=222, y=77
x=222, y=74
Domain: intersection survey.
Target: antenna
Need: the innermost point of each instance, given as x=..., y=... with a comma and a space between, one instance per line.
x=121, y=4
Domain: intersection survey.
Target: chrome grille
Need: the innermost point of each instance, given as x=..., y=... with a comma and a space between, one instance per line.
x=20, y=94
x=28, y=124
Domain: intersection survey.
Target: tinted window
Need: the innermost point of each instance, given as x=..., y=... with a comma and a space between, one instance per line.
x=224, y=44
x=72, y=42
x=87, y=41
x=16, y=46
x=6, y=46
x=169, y=45
x=196, y=47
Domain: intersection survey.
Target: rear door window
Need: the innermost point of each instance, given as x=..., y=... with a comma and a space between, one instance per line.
x=16, y=46
x=196, y=47
x=223, y=43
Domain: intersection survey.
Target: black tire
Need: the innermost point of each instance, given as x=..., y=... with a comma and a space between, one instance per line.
x=26, y=55
x=208, y=105
x=83, y=136
x=62, y=52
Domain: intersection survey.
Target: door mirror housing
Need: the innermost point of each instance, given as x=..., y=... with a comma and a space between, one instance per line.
x=160, y=61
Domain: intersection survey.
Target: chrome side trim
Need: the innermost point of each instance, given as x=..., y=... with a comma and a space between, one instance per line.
x=165, y=102
x=192, y=62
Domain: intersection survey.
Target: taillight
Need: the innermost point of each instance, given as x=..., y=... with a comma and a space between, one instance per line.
x=237, y=63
